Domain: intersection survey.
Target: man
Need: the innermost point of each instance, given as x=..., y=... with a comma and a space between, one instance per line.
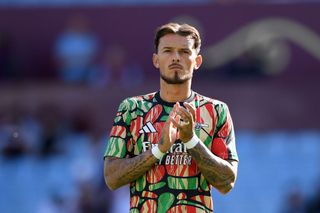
x=172, y=145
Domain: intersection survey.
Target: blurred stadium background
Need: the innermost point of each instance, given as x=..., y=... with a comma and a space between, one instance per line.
x=66, y=65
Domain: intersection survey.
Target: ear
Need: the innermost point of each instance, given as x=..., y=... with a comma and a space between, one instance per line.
x=155, y=60
x=198, y=62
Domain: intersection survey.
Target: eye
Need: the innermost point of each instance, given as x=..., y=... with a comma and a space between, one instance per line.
x=186, y=52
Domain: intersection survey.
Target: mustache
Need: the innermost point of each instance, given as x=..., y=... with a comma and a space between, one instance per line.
x=175, y=65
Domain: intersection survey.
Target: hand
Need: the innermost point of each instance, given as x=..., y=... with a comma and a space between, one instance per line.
x=169, y=133
x=187, y=115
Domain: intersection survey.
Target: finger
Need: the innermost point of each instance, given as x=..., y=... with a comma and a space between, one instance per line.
x=172, y=133
x=182, y=117
x=174, y=110
x=191, y=109
x=185, y=114
x=167, y=124
x=177, y=115
x=175, y=123
x=177, y=118
x=176, y=106
x=172, y=113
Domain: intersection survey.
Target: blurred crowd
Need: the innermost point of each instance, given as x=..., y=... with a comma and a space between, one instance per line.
x=78, y=57
x=53, y=163
x=297, y=202
x=50, y=162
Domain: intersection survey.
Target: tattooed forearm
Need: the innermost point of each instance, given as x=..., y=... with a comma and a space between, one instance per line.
x=121, y=171
x=218, y=172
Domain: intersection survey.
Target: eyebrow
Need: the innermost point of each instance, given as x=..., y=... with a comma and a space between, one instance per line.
x=167, y=48
x=184, y=48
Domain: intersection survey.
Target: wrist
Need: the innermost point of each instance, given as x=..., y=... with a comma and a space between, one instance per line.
x=157, y=152
x=192, y=142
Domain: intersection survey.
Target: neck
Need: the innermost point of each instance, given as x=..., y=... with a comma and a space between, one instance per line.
x=175, y=92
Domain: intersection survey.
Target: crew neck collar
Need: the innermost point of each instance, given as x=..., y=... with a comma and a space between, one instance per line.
x=171, y=104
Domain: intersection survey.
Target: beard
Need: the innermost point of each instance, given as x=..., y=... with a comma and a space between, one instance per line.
x=176, y=79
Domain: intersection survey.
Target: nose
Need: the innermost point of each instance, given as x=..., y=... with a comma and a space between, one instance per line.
x=176, y=57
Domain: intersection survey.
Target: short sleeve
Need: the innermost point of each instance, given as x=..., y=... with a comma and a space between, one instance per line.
x=224, y=143
x=120, y=132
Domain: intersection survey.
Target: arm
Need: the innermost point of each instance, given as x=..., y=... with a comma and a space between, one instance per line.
x=218, y=172
x=121, y=171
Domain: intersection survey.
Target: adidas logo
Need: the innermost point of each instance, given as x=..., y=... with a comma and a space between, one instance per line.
x=148, y=128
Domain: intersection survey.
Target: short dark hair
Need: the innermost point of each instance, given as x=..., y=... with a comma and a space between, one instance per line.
x=179, y=29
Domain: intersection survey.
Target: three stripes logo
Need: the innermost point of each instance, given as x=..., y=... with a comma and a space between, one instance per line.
x=148, y=128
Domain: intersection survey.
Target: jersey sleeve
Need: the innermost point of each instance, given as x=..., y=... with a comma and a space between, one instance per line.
x=224, y=143
x=120, y=132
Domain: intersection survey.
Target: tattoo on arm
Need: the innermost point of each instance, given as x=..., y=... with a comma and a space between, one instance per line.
x=218, y=172
x=161, y=142
x=121, y=171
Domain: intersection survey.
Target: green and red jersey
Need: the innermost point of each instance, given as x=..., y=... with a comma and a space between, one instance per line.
x=174, y=184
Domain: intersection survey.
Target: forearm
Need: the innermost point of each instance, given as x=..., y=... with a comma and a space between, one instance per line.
x=218, y=172
x=121, y=171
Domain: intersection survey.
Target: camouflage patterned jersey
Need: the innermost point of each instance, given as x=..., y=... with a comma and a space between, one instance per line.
x=174, y=184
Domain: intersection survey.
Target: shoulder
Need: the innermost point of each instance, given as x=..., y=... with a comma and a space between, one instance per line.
x=204, y=100
x=134, y=101
x=141, y=98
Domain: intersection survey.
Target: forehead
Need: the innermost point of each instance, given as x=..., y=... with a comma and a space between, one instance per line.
x=176, y=41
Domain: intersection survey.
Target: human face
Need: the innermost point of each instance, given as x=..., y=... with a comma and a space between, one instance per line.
x=176, y=58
